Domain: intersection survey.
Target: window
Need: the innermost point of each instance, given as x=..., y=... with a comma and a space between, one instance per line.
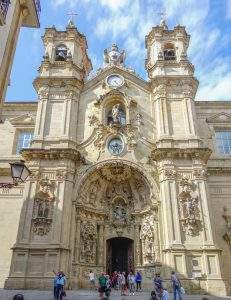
x=24, y=140
x=61, y=53
x=169, y=52
x=223, y=142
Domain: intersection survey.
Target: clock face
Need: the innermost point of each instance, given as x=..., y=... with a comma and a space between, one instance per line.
x=115, y=80
x=115, y=146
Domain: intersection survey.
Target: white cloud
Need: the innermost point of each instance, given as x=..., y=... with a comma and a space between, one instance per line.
x=114, y=4
x=218, y=90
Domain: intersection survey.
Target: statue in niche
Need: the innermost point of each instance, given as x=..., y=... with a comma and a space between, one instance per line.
x=119, y=213
x=116, y=113
x=94, y=189
x=43, y=207
x=88, y=242
x=189, y=207
x=147, y=240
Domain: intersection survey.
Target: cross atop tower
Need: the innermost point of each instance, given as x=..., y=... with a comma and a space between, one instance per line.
x=163, y=16
x=72, y=15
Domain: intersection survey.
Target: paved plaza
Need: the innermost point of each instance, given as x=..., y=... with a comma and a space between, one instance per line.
x=88, y=295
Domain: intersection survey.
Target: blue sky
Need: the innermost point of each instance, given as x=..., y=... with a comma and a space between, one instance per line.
x=126, y=22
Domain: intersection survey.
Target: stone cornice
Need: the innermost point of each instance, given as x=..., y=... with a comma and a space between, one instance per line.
x=159, y=154
x=57, y=81
x=52, y=154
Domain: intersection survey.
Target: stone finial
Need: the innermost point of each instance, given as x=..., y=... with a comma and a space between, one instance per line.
x=114, y=56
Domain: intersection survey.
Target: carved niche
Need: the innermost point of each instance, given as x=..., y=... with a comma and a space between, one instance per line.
x=88, y=242
x=147, y=240
x=43, y=207
x=189, y=207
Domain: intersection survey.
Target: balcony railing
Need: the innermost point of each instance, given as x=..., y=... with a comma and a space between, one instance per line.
x=4, y=5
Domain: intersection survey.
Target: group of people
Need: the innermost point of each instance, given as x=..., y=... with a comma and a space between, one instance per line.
x=125, y=282
x=129, y=283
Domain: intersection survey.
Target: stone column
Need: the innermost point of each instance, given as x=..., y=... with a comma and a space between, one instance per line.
x=77, y=240
x=137, y=246
x=101, y=245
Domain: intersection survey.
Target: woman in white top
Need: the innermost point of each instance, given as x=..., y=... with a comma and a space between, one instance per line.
x=92, y=279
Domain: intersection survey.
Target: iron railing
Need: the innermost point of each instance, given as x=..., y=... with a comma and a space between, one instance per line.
x=4, y=5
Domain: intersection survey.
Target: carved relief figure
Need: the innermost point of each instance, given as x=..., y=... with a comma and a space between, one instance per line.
x=189, y=207
x=43, y=207
x=116, y=113
x=147, y=240
x=88, y=242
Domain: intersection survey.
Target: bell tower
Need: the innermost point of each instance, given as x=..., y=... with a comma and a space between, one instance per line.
x=173, y=84
x=61, y=76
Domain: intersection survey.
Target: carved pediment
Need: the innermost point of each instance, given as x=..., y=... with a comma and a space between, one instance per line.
x=219, y=118
x=25, y=119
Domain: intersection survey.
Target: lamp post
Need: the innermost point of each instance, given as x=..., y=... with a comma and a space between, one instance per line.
x=19, y=173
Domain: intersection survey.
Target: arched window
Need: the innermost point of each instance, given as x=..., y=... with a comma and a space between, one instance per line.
x=116, y=115
x=61, y=53
x=169, y=52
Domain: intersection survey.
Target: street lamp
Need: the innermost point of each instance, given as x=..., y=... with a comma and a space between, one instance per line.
x=19, y=173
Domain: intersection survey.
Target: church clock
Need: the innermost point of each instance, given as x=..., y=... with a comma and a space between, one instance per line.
x=115, y=80
x=115, y=146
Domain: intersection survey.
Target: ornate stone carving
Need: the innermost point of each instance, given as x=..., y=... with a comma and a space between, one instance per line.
x=189, y=207
x=93, y=121
x=147, y=240
x=43, y=207
x=116, y=172
x=88, y=242
x=114, y=56
x=227, y=235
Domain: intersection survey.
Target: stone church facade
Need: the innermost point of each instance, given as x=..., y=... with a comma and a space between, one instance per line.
x=125, y=173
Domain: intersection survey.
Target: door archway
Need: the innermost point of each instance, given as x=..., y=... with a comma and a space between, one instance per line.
x=120, y=255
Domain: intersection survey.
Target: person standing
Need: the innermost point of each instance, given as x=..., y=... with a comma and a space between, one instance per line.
x=176, y=286
x=61, y=281
x=158, y=283
x=138, y=279
x=92, y=279
x=123, y=284
x=131, y=283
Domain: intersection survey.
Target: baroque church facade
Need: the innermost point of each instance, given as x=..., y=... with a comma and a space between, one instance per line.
x=126, y=174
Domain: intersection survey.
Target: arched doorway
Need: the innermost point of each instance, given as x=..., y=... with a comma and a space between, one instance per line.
x=120, y=255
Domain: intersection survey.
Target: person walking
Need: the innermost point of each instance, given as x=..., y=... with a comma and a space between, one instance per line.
x=176, y=286
x=158, y=284
x=102, y=285
x=92, y=279
x=131, y=283
x=138, y=279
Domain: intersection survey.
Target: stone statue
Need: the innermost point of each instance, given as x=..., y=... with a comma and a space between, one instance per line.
x=147, y=239
x=116, y=113
x=114, y=56
x=189, y=207
x=88, y=242
x=119, y=213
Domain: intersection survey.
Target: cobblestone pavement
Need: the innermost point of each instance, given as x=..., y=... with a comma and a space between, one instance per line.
x=88, y=295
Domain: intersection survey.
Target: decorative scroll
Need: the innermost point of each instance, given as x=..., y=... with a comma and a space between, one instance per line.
x=88, y=242
x=189, y=207
x=43, y=207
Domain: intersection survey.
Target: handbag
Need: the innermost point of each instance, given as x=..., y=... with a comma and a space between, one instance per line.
x=63, y=293
x=182, y=290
